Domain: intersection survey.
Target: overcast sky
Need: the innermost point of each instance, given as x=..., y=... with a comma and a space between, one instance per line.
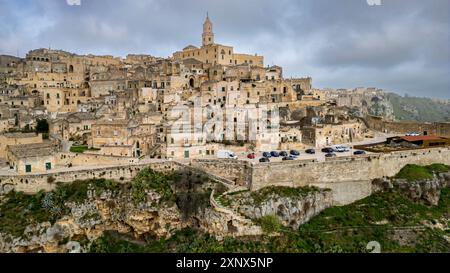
x=401, y=46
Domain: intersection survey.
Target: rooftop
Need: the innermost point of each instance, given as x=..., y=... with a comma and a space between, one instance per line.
x=420, y=138
x=20, y=135
x=33, y=150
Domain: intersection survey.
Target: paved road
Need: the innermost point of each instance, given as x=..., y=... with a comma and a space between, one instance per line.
x=319, y=156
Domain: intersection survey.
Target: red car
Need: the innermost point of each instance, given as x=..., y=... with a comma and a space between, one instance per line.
x=251, y=156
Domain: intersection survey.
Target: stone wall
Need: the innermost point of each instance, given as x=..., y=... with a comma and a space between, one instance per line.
x=34, y=183
x=234, y=170
x=349, y=177
x=86, y=159
x=404, y=127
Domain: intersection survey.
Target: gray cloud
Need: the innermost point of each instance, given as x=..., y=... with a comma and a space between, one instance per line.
x=402, y=46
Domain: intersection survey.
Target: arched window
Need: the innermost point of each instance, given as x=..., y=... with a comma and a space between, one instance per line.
x=70, y=68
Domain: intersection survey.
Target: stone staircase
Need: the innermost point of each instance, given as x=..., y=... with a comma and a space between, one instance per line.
x=245, y=225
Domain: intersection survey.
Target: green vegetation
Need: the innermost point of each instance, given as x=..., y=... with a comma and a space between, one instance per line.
x=294, y=193
x=270, y=223
x=20, y=210
x=386, y=217
x=42, y=127
x=419, y=109
x=77, y=191
x=79, y=149
x=438, y=168
x=150, y=180
x=412, y=172
x=382, y=217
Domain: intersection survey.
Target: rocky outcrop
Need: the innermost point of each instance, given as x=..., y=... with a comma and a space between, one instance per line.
x=293, y=210
x=91, y=218
x=427, y=191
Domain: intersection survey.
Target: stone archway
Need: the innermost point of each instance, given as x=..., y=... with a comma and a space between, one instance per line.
x=192, y=82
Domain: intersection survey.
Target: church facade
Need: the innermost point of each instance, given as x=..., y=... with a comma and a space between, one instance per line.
x=216, y=54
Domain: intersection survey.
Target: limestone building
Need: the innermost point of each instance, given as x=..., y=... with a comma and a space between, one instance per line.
x=213, y=54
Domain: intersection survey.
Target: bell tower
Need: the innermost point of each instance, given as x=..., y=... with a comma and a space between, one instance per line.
x=208, y=35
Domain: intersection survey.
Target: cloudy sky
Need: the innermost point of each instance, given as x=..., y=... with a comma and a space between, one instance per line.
x=401, y=46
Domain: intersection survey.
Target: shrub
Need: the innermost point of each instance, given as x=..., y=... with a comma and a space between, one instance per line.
x=438, y=168
x=78, y=149
x=270, y=223
x=412, y=172
x=150, y=180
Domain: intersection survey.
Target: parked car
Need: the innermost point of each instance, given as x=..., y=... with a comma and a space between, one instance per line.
x=274, y=154
x=359, y=152
x=340, y=149
x=283, y=153
x=251, y=156
x=413, y=134
x=327, y=150
x=264, y=160
x=224, y=154
x=267, y=155
x=310, y=151
x=295, y=153
x=286, y=158
x=329, y=155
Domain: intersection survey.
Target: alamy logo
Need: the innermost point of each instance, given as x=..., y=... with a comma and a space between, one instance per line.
x=374, y=247
x=374, y=2
x=73, y=2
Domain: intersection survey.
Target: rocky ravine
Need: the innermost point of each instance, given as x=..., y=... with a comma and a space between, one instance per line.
x=73, y=216
x=427, y=191
x=293, y=206
x=88, y=220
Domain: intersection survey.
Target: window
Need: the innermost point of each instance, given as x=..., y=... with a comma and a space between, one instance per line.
x=48, y=166
x=28, y=168
x=115, y=133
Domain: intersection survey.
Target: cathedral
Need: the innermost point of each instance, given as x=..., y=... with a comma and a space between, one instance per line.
x=216, y=54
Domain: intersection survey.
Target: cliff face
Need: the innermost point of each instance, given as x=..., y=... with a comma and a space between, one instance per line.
x=88, y=220
x=427, y=191
x=293, y=207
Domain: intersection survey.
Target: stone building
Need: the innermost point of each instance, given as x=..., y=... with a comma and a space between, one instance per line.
x=123, y=137
x=12, y=139
x=32, y=158
x=213, y=54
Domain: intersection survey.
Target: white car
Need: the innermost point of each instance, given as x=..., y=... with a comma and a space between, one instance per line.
x=224, y=154
x=340, y=149
x=413, y=134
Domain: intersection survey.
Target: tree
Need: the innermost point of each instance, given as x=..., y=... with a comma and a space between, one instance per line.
x=42, y=126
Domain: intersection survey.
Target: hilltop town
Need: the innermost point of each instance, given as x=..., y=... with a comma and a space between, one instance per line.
x=132, y=108
x=208, y=110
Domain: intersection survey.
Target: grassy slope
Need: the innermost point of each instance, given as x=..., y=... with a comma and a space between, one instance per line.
x=428, y=110
x=338, y=229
